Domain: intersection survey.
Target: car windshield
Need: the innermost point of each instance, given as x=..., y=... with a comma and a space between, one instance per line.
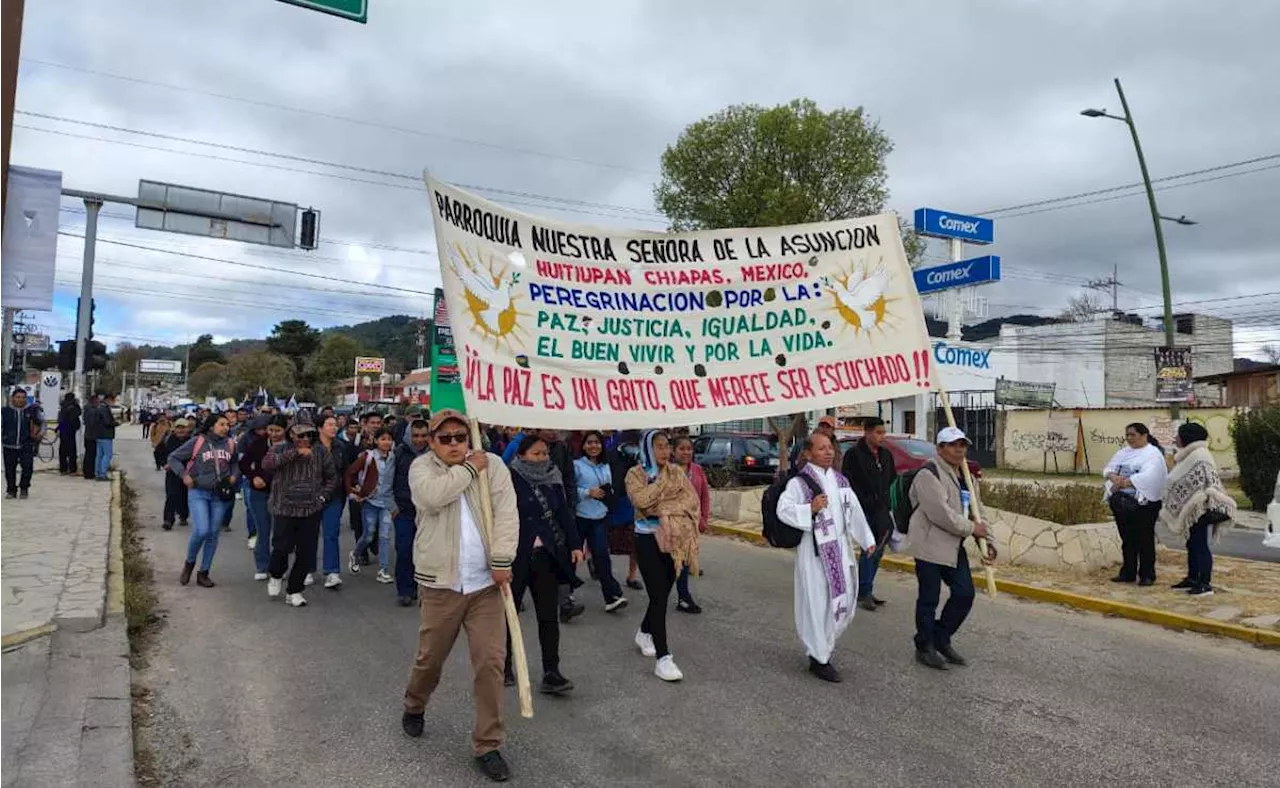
x=759, y=447
x=916, y=447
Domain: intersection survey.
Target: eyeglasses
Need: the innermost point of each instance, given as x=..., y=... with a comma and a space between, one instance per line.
x=447, y=438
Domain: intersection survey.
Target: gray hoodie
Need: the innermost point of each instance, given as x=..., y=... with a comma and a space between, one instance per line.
x=217, y=458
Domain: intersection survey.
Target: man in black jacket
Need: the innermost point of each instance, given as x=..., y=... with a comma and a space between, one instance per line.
x=417, y=439
x=22, y=427
x=91, y=430
x=175, y=492
x=105, y=420
x=68, y=426
x=870, y=470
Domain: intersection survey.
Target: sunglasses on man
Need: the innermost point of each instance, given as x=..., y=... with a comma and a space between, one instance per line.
x=447, y=438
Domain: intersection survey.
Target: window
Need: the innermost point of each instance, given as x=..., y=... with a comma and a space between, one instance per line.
x=719, y=447
x=758, y=447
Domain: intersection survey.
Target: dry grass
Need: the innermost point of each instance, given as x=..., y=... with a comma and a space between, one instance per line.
x=142, y=622
x=1068, y=504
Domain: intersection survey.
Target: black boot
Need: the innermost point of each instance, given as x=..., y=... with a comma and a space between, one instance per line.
x=825, y=671
x=202, y=580
x=952, y=656
x=187, y=568
x=931, y=658
x=554, y=684
x=413, y=723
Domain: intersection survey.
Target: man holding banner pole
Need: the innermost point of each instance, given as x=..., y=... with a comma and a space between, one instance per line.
x=462, y=561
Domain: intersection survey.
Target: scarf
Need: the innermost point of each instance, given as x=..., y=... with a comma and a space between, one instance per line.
x=537, y=473
x=1194, y=490
x=647, y=460
x=827, y=541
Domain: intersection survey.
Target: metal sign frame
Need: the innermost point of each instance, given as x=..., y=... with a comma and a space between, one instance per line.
x=189, y=210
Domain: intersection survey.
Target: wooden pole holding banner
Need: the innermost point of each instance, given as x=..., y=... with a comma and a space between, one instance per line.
x=975, y=508
x=518, y=658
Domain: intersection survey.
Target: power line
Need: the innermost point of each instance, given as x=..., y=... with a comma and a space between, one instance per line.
x=335, y=116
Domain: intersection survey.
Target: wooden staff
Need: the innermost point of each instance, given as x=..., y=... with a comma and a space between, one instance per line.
x=518, y=658
x=975, y=508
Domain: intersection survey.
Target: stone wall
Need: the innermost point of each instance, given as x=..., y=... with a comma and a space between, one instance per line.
x=1021, y=540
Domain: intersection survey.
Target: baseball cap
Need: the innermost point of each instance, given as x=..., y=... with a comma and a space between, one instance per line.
x=951, y=435
x=439, y=418
x=830, y=421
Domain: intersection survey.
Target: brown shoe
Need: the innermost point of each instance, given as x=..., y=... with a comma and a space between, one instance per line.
x=202, y=580
x=187, y=568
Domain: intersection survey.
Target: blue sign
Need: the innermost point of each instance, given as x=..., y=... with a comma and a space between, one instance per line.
x=942, y=224
x=976, y=271
x=952, y=355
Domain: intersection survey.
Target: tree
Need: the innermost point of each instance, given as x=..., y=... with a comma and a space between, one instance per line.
x=1083, y=307
x=203, y=351
x=295, y=340
x=246, y=372
x=748, y=166
x=207, y=380
x=335, y=360
x=1271, y=352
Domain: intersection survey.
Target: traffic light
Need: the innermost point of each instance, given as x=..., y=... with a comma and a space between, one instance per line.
x=93, y=306
x=309, y=237
x=67, y=355
x=95, y=356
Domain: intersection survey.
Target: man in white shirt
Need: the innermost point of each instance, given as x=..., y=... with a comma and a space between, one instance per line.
x=460, y=565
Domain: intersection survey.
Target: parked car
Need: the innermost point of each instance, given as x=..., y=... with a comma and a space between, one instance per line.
x=1272, y=536
x=737, y=458
x=909, y=452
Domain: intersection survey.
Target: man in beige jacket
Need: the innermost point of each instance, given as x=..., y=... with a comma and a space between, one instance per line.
x=460, y=568
x=935, y=538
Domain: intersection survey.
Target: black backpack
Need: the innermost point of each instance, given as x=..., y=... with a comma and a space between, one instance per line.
x=900, y=498
x=776, y=532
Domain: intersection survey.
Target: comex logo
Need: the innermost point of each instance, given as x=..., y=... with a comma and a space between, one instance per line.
x=962, y=356
x=960, y=225
x=949, y=275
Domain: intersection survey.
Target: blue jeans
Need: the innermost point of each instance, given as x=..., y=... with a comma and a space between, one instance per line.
x=102, y=462
x=929, y=579
x=406, y=529
x=868, y=565
x=256, y=506
x=1199, y=558
x=595, y=534
x=250, y=516
x=330, y=533
x=206, y=518
x=377, y=523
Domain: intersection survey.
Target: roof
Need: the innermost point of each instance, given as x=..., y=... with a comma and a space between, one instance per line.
x=416, y=378
x=1221, y=377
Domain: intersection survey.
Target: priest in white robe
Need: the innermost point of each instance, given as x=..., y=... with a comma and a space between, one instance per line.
x=826, y=569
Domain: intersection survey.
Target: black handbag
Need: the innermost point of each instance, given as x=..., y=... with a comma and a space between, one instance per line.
x=1122, y=504
x=224, y=490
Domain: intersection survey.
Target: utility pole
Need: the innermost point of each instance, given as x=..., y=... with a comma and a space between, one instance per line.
x=1111, y=283
x=92, y=205
x=10, y=50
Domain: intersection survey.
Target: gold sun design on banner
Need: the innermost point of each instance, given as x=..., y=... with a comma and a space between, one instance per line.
x=860, y=298
x=489, y=287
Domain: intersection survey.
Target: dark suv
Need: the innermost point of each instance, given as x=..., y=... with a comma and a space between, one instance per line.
x=737, y=458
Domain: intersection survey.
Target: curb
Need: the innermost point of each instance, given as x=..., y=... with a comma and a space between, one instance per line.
x=1258, y=637
x=15, y=639
x=115, y=548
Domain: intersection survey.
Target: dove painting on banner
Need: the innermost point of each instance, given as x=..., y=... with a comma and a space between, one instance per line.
x=561, y=325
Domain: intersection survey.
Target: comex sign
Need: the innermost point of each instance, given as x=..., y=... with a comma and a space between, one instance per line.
x=944, y=224
x=961, y=274
x=951, y=355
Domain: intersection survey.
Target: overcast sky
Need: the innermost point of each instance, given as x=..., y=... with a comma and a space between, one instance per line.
x=576, y=101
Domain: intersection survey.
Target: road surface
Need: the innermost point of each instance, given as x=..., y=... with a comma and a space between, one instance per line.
x=249, y=692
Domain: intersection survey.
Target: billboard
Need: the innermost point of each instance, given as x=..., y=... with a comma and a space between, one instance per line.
x=1173, y=374
x=370, y=365
x=30, y=242
x=161, y=366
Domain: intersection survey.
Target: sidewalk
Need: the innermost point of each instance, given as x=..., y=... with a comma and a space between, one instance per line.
x=66, y=675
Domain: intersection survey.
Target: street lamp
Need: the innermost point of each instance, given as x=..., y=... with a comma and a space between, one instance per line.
x=1183, y=220
x=1127, y=118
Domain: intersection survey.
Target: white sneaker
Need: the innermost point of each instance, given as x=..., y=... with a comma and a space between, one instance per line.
x=645, y=643
x=353, y=563
x=274, y=585
x=260, y=575
x=296, y=600
x=332, y=580
x=253, y=542
x=666, y=669
x=309, y=580
x=385, y=577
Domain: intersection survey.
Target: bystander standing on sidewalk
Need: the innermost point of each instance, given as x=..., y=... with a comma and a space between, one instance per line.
x=22, y=428
x=1135, y=477
x=106, y=436
x=91, y=429
x=1195, y=506
x=68, y=425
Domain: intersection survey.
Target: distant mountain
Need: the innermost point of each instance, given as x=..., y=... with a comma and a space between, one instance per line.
x=395, y=337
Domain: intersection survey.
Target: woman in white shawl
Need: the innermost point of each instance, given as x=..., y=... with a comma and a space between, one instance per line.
x=1195, y=506
x=820, y=502
x=1135, y=482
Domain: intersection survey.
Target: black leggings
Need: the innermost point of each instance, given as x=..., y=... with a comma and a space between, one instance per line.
x=659, y=574
x=1138, y=541
x=538, y=574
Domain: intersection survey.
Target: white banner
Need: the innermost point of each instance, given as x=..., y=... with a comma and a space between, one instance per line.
x=570, y=326
x=30, y=242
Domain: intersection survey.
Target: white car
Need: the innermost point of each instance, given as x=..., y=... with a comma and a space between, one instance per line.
x=1272, y=537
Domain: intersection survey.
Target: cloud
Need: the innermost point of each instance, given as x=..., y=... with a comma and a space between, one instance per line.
x=577, y=100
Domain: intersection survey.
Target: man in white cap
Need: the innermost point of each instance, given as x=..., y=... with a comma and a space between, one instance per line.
x=939, y=525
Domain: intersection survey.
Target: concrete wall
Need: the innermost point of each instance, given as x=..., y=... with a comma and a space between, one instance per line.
x=1021, y=436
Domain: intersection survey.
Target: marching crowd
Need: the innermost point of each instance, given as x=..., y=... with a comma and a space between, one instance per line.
x=451, y=523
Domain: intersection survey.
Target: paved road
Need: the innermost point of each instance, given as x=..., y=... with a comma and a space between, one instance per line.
x=1238, y=543
x=250, y=692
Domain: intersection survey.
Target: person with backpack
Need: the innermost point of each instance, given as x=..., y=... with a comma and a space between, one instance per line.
x=207, y=465
x=939, y=524
x=870, y=470
x=820, y=504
